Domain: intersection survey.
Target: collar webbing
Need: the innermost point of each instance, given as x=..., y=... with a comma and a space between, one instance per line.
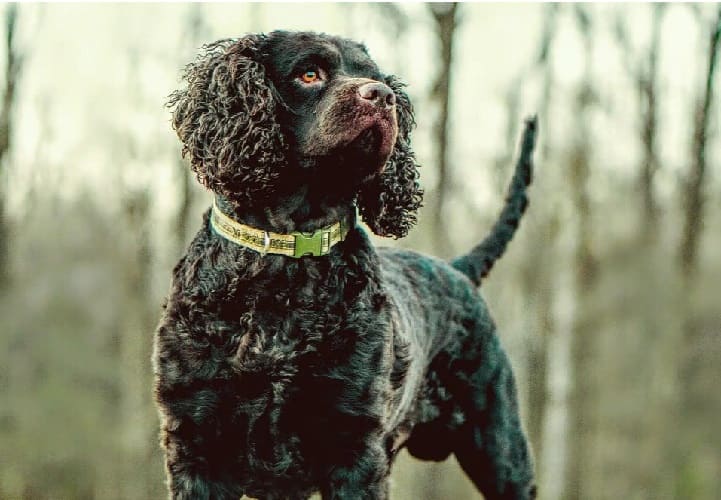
x=295, y=244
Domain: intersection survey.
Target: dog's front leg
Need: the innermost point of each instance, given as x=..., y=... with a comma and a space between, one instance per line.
x=367, y=478
x=187, y=474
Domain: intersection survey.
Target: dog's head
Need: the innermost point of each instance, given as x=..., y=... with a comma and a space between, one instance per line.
x=267, y=114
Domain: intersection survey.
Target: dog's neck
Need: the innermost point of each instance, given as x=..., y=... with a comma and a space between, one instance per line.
x=296, y=212
x=314, y=194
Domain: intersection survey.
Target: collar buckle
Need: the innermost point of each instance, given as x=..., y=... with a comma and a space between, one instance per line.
x=314, y=244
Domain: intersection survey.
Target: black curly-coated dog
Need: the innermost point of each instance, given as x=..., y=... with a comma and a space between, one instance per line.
x=293, y=356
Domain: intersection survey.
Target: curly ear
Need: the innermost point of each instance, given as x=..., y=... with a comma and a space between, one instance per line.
x=388, y=202
x=226, y=120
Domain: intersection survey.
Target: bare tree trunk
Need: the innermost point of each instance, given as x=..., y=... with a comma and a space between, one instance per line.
x=644, y=461
x=12, y=70
x=544, y=61
x=139, y=440
x=648, y=84
x=689, y=354
x=538, y=350
x=645, y=74
x=584, y=391
x=693, y=194
x=14, y=62
x=536, y=277
x=444, y=15
x=432, y=484
x=137, y=420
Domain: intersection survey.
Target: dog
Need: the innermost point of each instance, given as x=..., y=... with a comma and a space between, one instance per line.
x=293, y=356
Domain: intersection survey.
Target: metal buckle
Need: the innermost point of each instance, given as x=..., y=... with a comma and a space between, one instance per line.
x=314, y=244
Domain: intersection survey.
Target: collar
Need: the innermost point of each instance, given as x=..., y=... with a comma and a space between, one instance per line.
x=295, y=244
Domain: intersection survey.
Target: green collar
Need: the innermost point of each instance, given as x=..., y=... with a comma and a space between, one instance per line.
x=295, y=244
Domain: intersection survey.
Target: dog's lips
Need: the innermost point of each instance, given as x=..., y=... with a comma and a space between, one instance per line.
x=384, y=127
x=368, y=131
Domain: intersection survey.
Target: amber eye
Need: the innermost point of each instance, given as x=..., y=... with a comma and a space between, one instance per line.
x=310, y=76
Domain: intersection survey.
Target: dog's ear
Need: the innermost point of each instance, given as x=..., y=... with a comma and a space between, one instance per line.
x=226, y=120
x=388, y=203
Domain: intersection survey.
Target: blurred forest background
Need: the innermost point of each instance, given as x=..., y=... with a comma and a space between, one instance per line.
x=608, y=301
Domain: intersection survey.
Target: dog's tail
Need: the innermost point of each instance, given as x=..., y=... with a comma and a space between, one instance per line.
x=478, y=262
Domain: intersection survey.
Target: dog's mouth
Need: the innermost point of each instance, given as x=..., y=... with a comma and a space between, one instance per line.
x=361, y=138
x=376, y=136
x=358, y=152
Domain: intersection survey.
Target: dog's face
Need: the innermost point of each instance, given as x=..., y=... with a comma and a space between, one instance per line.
x=268, y=114
x=339, y=105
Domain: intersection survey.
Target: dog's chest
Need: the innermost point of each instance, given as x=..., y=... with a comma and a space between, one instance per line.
x=299, y=371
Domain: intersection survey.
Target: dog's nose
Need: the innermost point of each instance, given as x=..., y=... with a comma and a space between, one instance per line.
x=378, y=93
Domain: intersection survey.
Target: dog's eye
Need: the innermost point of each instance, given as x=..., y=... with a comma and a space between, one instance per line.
x=311, y=75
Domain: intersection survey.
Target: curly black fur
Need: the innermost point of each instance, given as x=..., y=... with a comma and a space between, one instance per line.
x=276, y=377
x=226, y=120
x=389, y=202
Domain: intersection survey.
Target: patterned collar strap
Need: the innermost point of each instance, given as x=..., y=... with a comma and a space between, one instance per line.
x=295, y=244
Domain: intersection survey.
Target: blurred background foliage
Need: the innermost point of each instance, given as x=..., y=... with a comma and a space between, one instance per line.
x=609, y=300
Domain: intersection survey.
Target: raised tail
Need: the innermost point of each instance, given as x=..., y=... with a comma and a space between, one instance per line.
x=478, y=262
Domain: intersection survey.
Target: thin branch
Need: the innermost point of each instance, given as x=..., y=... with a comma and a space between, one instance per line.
x=645, y=77
x=9, y=97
